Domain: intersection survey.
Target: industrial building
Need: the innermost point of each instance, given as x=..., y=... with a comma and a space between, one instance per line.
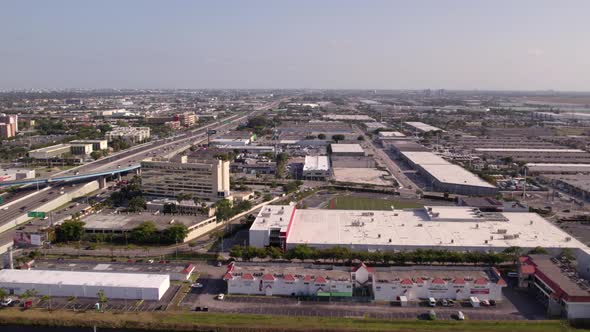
x=557, y=284
x=97, y=144
x=207, y=180
x=129, y=134
x=536, y=155
x=545, y=168
x=50, y=152
x=420, y=127
x=443, y=176
x=372, y=126
x=295, y=131
x=316, y=168
x=131, y=286
x=347, y=150
x=436, y=227
x=577, y=185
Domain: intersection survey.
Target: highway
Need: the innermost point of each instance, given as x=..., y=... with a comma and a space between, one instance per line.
x=118, y=162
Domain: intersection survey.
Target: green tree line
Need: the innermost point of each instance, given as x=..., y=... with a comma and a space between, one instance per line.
x=343, y=254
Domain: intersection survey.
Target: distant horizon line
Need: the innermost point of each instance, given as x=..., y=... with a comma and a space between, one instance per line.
x=288, y=89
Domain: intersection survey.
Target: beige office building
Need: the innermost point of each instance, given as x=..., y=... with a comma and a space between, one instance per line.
x=209, y=180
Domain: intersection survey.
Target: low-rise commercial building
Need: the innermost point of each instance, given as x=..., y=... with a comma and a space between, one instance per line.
x=81, y=149
x=316, y=168
x=50, y=152
x=10, y=174
x=97, y=144
x=129, y=134
x=557, y=285
x=376, y=283
x=131, y=286
x=347, y=150
x=207, y=180
x=422, y=282
x=8, y=125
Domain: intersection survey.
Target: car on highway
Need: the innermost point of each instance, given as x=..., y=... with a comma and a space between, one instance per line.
x=197, y=285
x=220, y=296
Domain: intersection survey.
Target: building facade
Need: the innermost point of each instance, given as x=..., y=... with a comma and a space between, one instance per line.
x=129, y=134
x=203, y=180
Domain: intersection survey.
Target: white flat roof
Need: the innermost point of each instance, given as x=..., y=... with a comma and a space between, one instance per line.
x=43, y=277
x=422, y=126
x=347, y=148
x=316, y=163
x=443, y=170
x=391, y=134
x=529, y=150
x=454, y=227
x=273, y=216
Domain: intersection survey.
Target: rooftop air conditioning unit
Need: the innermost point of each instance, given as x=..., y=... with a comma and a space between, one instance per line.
x=568, y=238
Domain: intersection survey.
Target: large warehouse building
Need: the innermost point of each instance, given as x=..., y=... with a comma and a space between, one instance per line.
x=131, y=286
x=440, y=227
x=537, y=155
x=444, y=176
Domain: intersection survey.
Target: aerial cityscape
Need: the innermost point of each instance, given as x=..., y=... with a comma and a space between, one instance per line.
x=189, y=189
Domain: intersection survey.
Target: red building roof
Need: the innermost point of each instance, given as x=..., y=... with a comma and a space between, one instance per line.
x=288, y=277
x=459, y=281
x=419, y=281
x=228, y=276
x=307, y=278
x=320, y=280
x=248, y=276
x=407, y=282
x=268, y=277
x=370, y=269
x=527, y=269
x=437, y=281
x=481, y=281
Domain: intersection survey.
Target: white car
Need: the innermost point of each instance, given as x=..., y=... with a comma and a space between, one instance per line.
x=197, y=285
x=220, y=296
x=460, y=315
x=7, y=301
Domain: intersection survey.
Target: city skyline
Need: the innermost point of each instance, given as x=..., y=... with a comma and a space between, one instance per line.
x=529, y=45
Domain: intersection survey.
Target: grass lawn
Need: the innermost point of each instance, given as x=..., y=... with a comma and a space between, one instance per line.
x=362, y=203
x=184, y=321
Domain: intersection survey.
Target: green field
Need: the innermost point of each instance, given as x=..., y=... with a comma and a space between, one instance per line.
x=362, y=203
x=189, y=321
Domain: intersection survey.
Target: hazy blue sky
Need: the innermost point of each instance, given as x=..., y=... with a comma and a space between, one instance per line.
x=511, y=44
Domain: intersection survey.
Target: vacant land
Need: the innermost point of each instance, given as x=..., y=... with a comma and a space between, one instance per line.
x=363, y=203
x=185, y=321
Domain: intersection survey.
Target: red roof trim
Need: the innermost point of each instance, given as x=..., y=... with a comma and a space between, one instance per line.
x=369, y=269
x=290, y=223
x=481, y=281
x=188, y=269
x=419, y=281
x=320, y=280
x=437, y=281
x=268, y=277
x=459, y=281
x=248, y=276
x=228, y=276
x=407, y=282
x=307, y=278
x=501, y=282
x=288, y=277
